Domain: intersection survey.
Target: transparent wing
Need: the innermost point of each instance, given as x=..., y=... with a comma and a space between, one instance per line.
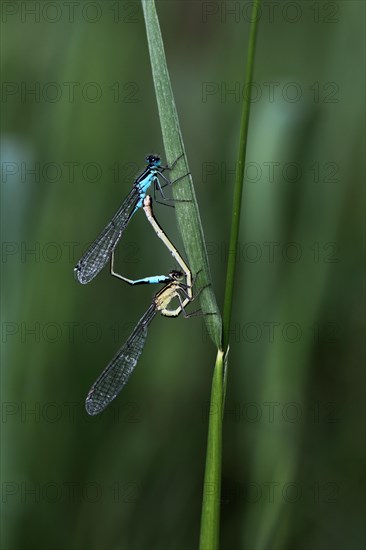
x=117, y=373
x=99, y=252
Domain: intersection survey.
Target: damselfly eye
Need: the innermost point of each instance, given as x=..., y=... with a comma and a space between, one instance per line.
x=176, y=275
x=153, y=160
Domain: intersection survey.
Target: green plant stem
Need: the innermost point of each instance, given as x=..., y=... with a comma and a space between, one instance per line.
x=210, y=518
x=239, y=178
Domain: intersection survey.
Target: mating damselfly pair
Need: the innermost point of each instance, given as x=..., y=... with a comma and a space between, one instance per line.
x=177, y=284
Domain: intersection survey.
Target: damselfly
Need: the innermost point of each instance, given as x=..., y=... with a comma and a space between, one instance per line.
x=119, y=370
x=99, y=252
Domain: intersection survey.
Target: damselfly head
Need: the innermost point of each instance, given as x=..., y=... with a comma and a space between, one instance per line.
x=175, y=275
x=153, y=160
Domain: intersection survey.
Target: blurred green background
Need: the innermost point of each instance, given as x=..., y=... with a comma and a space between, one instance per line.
x=78, y=118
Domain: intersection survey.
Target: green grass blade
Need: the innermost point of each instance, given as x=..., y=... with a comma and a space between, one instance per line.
x=239, y=177
x=210, y=519
x=188, y=218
